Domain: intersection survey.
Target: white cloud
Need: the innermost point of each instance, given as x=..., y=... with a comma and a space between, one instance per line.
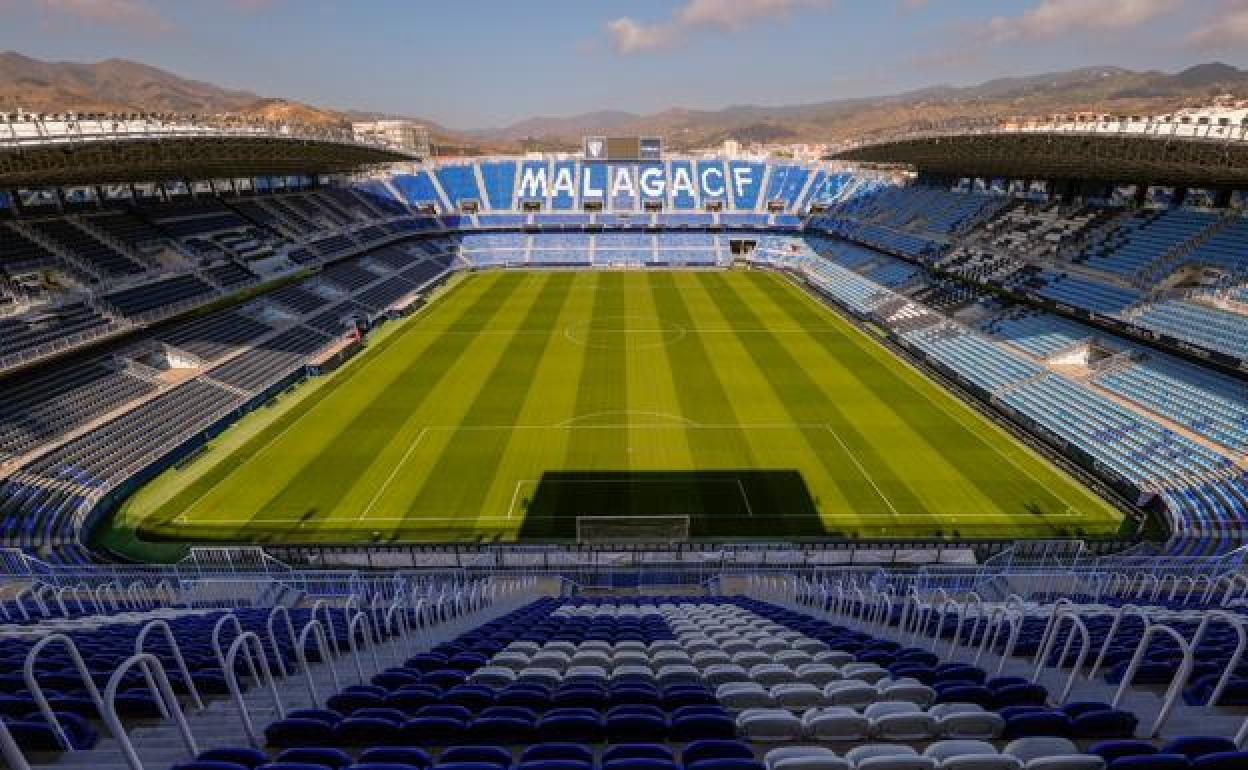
x=1229, y=27
x=1051, y=18
x=130, y=14
x=631, y=36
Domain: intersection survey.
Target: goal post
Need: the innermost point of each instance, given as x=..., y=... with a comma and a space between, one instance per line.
x=631, y=529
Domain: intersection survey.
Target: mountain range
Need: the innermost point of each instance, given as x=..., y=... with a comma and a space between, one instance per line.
x=122, y=85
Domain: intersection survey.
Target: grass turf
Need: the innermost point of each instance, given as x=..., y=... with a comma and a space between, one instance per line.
x=522, y=399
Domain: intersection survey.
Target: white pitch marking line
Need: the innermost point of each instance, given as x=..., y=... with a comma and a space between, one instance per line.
x=393, y=473
x=515, y=494
x=854, y=458
x=417, y=519
x=293, y=423
x=749, y=509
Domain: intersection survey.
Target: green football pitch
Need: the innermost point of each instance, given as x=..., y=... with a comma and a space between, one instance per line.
x=517, y=402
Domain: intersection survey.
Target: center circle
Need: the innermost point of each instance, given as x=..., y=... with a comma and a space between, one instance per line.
x=627, y=332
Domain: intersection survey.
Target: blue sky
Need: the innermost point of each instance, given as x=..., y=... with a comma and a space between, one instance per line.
x=485, y=63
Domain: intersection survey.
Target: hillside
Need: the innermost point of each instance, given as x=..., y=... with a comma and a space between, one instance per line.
x=1098, y=89
x=121, y=85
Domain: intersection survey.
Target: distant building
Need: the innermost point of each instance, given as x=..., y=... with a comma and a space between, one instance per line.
x=405, y=135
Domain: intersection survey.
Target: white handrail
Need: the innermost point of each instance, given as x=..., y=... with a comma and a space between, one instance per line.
x=1054, y=610
x=1016, y=631
x=254, y=648
x=369, y=639
x=1236, y=622
x=81, y=588
x=318, y=606
x=37, y=594
x=104, y=591
x=1176, y=686
x=36, y=690
x=1176, y=582
x=60, y=600
x=992, y=632
x=140, y=641
x=314, y=627
x=885, y=604
x=21, y=607
x=13, y=756
x=163, y=692
x=1113, y=630
x=273, y=640
x=963, y=610
x=1085, y=646
x=168, y=591
x=941, y=614
x=32, y=592
x=217, y=649
x=354, y=649
x=1235, y=580
x=135, y=592
x=398, y=625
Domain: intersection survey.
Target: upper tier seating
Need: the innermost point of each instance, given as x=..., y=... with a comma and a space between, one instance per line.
x=39, y=408
x=1146, y=238
x=459, y=183
x=128, y=227
x=1211, y=327
x=1086, y=293
x=19, y=253
x=50, y=330
x=1040, y=334
x=1210, y=404
x=84, y=246
x=139, y=301
x=214, y=336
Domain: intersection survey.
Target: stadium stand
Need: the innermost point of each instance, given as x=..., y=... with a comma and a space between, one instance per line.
x=1161, y=426
x=757, y=657
x=788, y=671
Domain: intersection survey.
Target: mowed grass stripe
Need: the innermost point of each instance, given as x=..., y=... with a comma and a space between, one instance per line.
x=602, y=391
x=1021, y=486
x=467, y=468
x=702, y=395
x=376, y=406
x=914, y=455
x=967, y=475
x=398, y=471
x=656, y=434
x=533, y=449
x=837, y=486
x=236, y=487
x=805, y=398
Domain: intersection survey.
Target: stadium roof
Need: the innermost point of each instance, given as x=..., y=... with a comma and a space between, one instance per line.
x=66, y=152
x=1121, y=150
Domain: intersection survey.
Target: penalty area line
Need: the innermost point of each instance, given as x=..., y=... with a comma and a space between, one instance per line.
x=393, y=474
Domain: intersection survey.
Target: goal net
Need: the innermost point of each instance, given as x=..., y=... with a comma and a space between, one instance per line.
x=631, y=529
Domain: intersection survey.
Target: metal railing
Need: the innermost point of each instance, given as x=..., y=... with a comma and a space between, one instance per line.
x=25, y=129
x=922, y=621
x=1150, y=128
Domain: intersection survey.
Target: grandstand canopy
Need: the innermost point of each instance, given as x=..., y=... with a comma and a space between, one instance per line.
x=132, y=159
x=1068, y=155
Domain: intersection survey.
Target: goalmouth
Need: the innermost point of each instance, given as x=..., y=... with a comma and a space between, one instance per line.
x=592, y=530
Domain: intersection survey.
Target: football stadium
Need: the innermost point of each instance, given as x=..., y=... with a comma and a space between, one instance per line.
x=325, y=448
